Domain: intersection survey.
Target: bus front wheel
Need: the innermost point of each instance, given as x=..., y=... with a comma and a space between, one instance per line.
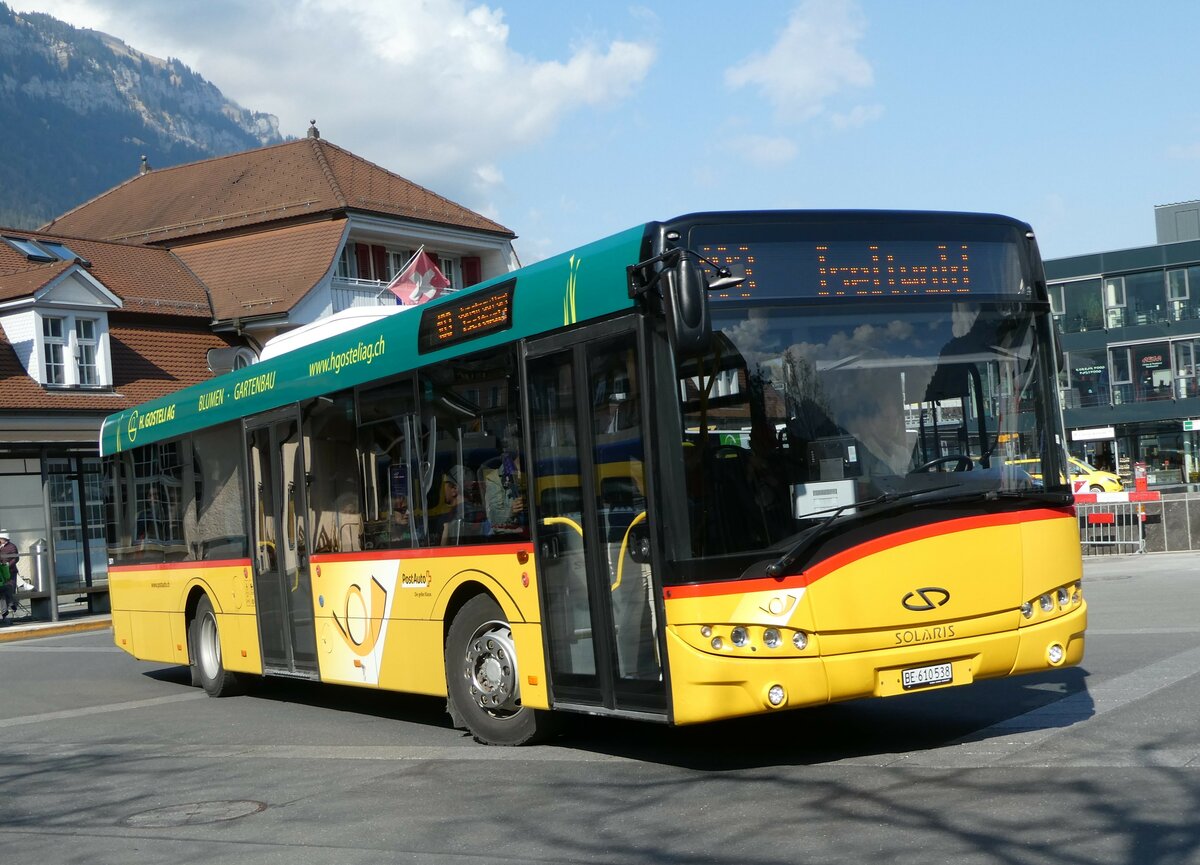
x=482, y=679
x=205, y=640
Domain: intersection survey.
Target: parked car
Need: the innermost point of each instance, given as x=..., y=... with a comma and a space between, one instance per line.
x=1094, y=479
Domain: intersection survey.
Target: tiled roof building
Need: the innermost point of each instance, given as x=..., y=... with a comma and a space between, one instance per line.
x=123, y=298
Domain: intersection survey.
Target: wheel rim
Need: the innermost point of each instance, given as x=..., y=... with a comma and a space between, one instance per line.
x=490, y=668
x=209, y=650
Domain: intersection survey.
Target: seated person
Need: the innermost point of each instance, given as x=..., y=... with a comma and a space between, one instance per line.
x=504, y=496
x=463, y=517
x=400, y=524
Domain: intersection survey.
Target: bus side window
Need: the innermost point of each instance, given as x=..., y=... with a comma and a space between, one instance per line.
x=335, y=523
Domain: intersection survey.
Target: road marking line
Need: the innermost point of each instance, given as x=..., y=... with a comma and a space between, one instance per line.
x=99, y=710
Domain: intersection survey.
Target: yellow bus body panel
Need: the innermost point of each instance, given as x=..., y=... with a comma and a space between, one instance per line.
x=379, y=621
x=149, y=604
x=972, y=574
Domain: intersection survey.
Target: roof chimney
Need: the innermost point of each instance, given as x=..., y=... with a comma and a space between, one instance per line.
x=145, y=166
x=313, y=132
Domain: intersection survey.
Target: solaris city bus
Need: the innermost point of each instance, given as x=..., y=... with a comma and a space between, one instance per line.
x=727, y=464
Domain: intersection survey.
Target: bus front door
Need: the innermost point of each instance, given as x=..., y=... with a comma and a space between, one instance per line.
x=589, y=504
x=282, y=587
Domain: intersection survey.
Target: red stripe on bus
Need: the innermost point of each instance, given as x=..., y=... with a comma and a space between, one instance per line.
x=862, y=551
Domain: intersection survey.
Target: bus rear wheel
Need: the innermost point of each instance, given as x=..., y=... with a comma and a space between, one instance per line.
x=483, y=681
x=205, y=640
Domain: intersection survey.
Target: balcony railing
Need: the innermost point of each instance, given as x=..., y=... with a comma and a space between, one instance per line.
x=348, y=293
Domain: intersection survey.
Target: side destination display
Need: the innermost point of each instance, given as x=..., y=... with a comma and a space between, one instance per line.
x=468, y=318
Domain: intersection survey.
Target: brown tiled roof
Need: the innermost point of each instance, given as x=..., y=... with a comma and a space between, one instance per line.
x=284, y=181
x=148, y=361
x=147, y=279
x=266, y=272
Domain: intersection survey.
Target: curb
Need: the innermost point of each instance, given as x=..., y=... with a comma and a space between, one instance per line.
x=52, y=629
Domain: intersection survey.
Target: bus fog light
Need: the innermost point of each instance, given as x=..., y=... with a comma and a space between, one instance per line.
x=1064, y=597
x=1027, y=610
x=1047, y=602
x=705, y=631
x=1056, y=654
x=776, y=695
x=771, y=638
x=718, y=643
x=740, y=636
x=800, y=640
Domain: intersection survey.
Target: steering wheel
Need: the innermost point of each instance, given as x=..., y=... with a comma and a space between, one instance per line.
x=962, y=463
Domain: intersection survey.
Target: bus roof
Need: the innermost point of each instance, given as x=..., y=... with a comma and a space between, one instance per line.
x=585, y=283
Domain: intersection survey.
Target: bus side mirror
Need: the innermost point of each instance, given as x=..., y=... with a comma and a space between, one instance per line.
x=685, y=295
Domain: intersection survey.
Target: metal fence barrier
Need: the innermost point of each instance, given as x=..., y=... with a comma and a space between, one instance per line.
x=1111, y=527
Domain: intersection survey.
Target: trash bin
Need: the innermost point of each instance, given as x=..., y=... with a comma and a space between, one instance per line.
x=39, y=555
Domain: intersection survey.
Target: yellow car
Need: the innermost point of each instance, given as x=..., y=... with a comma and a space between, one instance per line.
x=1094, y=480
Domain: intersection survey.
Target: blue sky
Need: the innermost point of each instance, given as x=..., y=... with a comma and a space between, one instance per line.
x=570, y=121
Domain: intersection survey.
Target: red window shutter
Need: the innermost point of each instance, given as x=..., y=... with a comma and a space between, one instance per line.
x=472, y=270
x=362, y=258
x=379, y=256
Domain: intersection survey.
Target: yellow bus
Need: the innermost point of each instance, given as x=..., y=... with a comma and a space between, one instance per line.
x=503, y=497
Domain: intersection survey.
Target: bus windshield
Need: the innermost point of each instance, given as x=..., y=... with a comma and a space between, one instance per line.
x=800, y=411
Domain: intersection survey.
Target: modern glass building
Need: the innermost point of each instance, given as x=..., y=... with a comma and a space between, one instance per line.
x=1130, y=323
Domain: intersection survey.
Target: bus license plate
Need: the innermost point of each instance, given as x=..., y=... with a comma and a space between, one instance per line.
x=923, y=677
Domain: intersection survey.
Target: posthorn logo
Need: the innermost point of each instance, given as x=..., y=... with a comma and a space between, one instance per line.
x=925, y=599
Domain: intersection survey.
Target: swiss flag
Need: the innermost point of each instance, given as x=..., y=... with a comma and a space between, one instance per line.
x=419, y=281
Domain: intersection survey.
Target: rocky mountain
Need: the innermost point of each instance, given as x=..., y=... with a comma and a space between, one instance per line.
x=79, y=108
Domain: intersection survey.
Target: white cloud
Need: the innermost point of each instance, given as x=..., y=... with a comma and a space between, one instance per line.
x=430, y=89
x=764, y=150
x=858, y=116
x=815, y=58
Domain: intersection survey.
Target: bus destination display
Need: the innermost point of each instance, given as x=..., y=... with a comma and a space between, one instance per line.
x=470, y=318
x=867, y=269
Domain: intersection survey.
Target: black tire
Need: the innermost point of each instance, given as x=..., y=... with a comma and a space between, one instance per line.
x=482, y=679
x=204, y=640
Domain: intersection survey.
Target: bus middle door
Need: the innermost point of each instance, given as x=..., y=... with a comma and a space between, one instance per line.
x=589, y=500
x=282, y=585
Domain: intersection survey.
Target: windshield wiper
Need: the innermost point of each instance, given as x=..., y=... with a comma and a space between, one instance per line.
x=810, y=536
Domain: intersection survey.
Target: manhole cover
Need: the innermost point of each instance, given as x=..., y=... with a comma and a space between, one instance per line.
x=194, y=814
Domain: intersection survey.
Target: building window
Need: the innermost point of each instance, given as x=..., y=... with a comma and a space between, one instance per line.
x=62, y=251
x=1082, y=307
x=346, y=265
x=1088, y=384
x=73, y=351
x=1114, y=302
x=85, y=351
x=1122, y=382
x=29, y=249
x=1146, y=297
x=55, y=344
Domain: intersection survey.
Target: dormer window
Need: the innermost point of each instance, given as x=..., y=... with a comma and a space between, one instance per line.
x=74, y=350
